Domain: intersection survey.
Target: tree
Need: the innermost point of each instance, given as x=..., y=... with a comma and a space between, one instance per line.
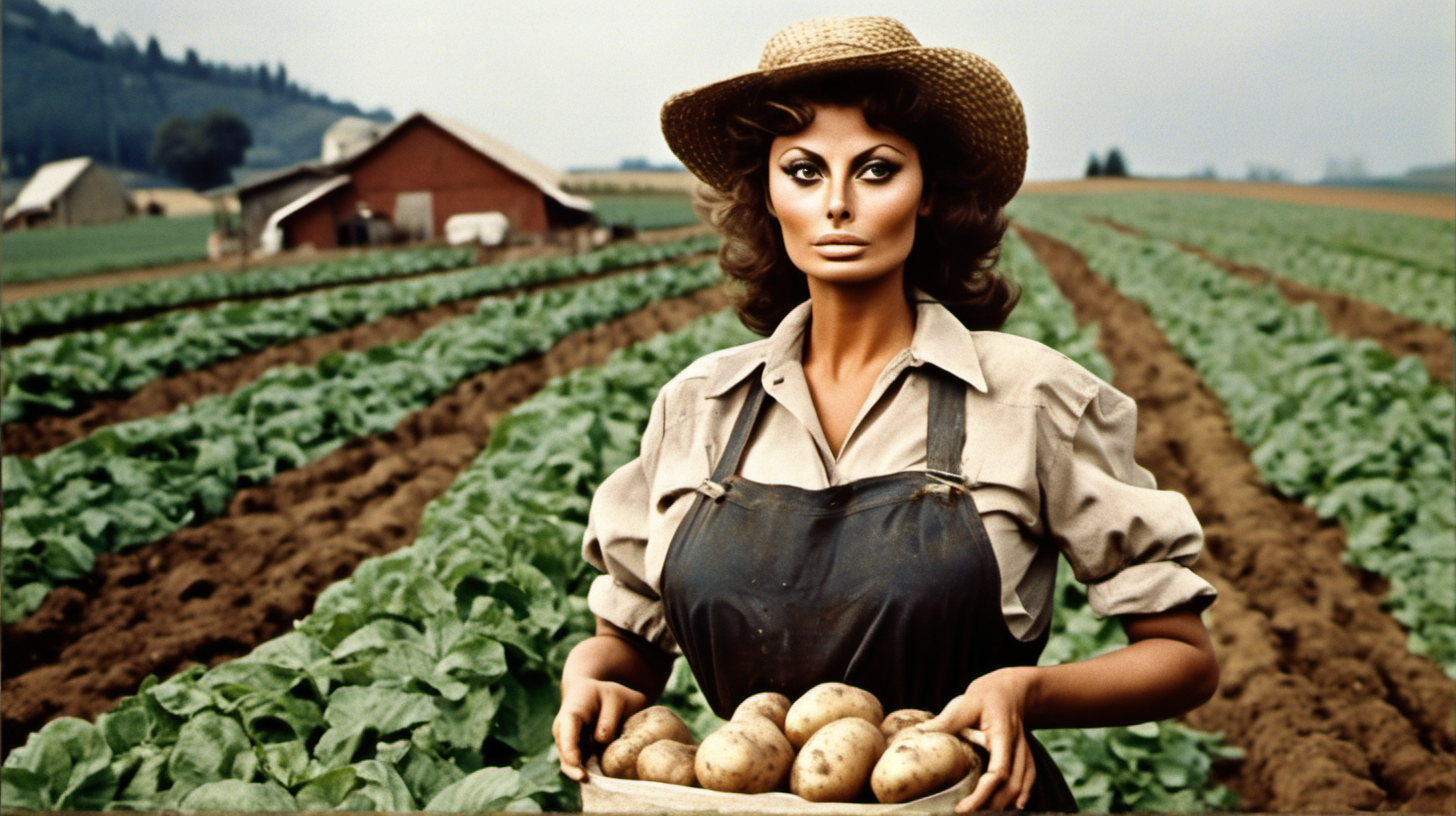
x=192, y=64
x=155, y=59
x=1114, y=165
x=1094, y=167
x=201, y=153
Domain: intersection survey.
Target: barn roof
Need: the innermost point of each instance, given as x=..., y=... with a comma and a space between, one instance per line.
x=48, y=183
x=544, y=178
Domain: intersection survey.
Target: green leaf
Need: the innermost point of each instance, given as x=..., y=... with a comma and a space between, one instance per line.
x=237, y=796
x=487, y=790
x=64, y=766
x=327, y=790
x=211, y=747
x=353, y=709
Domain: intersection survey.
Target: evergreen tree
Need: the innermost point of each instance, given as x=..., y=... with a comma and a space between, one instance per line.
x=1114, y=165
x=192, y=64
x=156, y=60
x=1094, y=167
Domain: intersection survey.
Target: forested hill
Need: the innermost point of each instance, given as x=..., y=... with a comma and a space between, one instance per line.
x=68, y=93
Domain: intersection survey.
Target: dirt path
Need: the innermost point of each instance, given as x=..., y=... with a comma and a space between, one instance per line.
x=213, y=592
x=1318, y=688
x=1347, y=316
x=166, y=394
x=1429, y=205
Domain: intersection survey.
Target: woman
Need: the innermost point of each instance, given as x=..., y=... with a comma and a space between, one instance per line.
x=878, y=491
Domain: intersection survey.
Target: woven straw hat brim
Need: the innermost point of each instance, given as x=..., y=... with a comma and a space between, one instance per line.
x=966, y=89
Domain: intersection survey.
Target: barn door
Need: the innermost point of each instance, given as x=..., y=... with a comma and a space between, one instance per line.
x=414, y=214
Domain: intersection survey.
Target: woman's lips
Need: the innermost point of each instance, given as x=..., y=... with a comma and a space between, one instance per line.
x=840, y=238
x=840, y=246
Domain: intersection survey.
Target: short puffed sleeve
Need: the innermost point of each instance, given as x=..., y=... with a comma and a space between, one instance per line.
x=616, y=543
x=1129, y=542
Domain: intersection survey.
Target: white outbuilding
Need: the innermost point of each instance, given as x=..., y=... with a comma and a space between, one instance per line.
x=69, y=193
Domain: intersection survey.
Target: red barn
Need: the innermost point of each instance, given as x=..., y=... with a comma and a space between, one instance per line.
x=416, y=175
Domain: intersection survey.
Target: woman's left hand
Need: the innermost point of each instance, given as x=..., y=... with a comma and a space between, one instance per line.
x=994, y=707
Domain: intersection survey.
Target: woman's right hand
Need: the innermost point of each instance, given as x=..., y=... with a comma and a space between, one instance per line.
x=607, y=678
x=597, y=706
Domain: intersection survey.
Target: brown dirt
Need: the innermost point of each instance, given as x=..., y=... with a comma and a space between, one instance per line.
x=213, y=592
x=1318, y=688
x=1430, y=205
x=1347, y=316
x=166, y=394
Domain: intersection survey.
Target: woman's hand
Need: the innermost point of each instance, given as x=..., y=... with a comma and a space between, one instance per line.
x=994, y=709
x=607, y=678
x=584, y=702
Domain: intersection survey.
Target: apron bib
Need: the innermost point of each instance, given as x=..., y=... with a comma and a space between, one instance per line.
x=887, y=583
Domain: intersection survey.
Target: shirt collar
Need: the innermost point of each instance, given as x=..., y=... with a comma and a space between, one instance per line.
x=940, y=339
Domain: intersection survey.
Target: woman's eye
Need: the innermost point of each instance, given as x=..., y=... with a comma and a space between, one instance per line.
x=878, y=171
x=803, y=172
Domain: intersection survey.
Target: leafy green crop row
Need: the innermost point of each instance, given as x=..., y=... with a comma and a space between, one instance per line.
x=134, y=482
x=56, y=375
x=60, y=310
x=1361, y=437
x=1404, y=263
x=427, y=680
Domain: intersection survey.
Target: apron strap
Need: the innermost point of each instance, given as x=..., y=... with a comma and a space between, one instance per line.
x=946, y=422
x=738, y=440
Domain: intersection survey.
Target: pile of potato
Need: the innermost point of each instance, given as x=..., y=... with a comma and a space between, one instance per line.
x=830, y=745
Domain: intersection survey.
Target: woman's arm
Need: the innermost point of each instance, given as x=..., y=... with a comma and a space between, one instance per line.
x=607, y=678
x=1167, y=668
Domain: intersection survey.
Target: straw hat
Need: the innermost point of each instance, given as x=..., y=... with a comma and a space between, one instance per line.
x=965, y=88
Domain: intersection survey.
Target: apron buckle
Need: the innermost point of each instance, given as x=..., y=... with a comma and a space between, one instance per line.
x=713, y=490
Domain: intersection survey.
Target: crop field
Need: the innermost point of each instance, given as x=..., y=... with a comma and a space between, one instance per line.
x=310, y=539
x=56, y=253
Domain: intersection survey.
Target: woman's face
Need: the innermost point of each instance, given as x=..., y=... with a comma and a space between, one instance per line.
x=846, y=196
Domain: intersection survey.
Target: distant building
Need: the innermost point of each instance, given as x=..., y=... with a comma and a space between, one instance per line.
x=403, y=183
x=69, y=193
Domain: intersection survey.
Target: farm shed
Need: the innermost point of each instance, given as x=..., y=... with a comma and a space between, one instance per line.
x=260, y=198
x=69, y=193
x=413, y=178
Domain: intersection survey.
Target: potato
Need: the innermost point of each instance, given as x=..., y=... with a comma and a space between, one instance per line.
x=826, y=703
x=744, y=756
x=640, y=730
x=919, y=762
x=660, y=721
x=619, y=760
x=668, y=761
x=835, y=763
x=770, y=704
x=897, y=721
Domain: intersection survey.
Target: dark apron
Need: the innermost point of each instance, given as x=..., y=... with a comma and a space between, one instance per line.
x=887, y=583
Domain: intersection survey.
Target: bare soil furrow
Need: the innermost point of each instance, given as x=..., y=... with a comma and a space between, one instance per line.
x=166, y=394
x=1332, y=710
x=214, y=592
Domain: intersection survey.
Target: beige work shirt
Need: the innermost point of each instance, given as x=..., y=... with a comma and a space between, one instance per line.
x=1048, y=458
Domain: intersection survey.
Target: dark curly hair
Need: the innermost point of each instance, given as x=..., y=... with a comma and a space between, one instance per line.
x=956, y=246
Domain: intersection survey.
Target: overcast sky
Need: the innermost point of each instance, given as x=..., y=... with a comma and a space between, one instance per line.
x=1177, y=85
